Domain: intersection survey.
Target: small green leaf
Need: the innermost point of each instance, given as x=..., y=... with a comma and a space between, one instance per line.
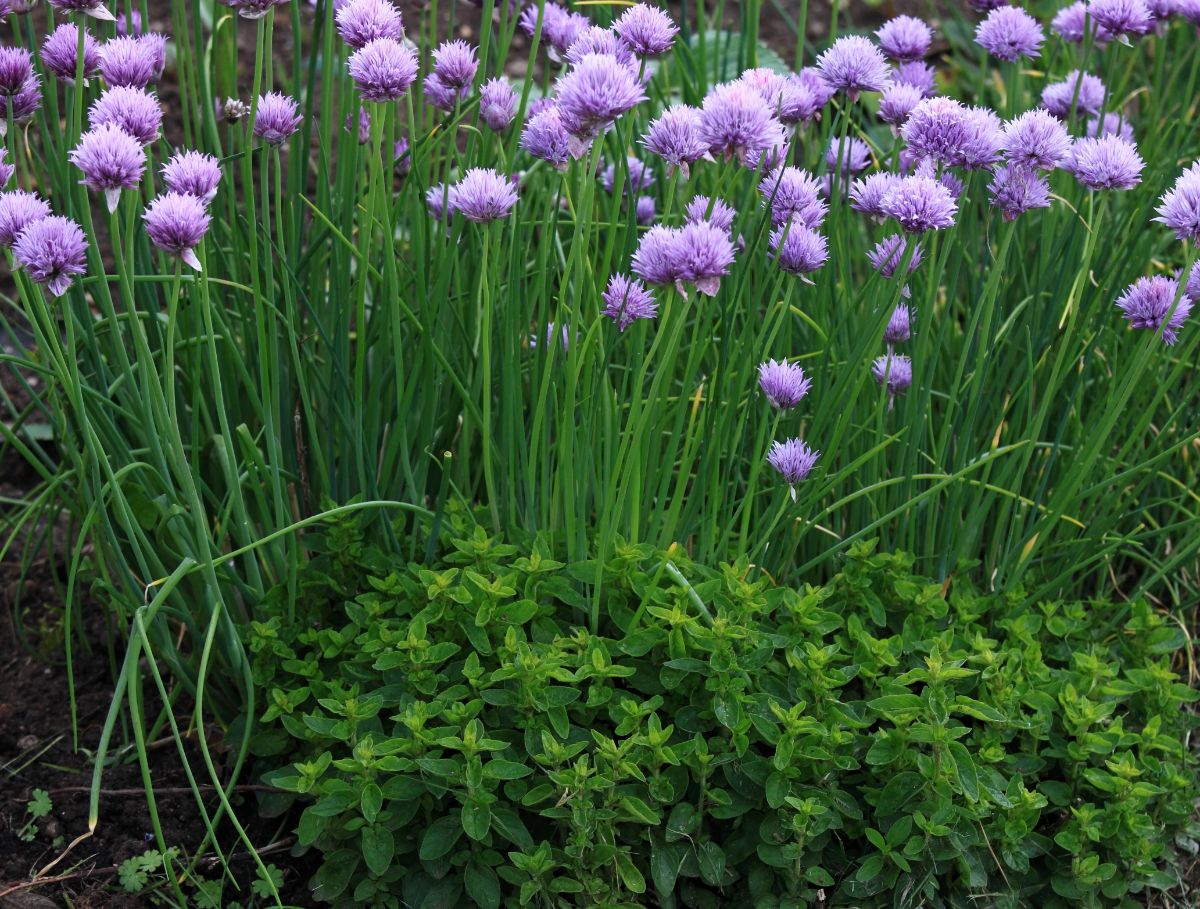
x=378, y=848
x=476, y=819
x=440, y=838
x=630, y=876
x=372, y=800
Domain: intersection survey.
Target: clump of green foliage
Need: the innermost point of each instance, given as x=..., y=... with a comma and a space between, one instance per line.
x=456, y=737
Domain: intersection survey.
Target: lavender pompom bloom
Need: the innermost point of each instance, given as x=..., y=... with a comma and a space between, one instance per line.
x=560, y=28
x=361, y=21
x=645, y=210
x=545, y=137
x=1036, y=139
x=854, y=65
x=597, y=40
x=893, y=371
x=946, y=131
x=1106, y=162
x=636, y=179
x=129, y=23
x=52, y=250
x=135, y=110
x=888, y=255
x=360, y=125
x=794, y=460
x=798, y=249
x=720, y=216
x=442, y=95
x=60, y=52
x=790, y=98
x=897, y=102
x=24, y=104
x=1009, y=32
x=135, y=61
x=1072, y=22
x=455, y=63
x=1016, y=189
x=866, y=195
x=919, y=204
x=497, y=104
x=277, y=118
x=19, y=209
x=783, y=384
x=899, y=327
x=94, y=8
x=1111, y=125
x=483, y=195
x=594, y=93
x=905, y=38
x=111, y=160
x=1147, y=302
x=646, y=29
x=704, y=254
x=919, y=75
x=6, y=170
x=401, y=157
x=1179, y=208
x=849, y=158
x=440, y=202
x=675, y=137
x=16, y=66
x=1084, y=89
x=626, y=300
x=983, y=140
x=193, y=173
x=736, y=122
x=1122, y=17
x=810, y=77
x=793, y=193
x=1192, y=289
x=383, y=69
x=656, y=259
x=176, y=223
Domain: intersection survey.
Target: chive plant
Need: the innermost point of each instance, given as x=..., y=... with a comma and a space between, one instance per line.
x=362, y=265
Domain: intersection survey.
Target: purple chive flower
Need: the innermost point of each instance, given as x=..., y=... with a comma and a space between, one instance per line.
x=383, y=69
x=919, y=204
x=401, y=157
x=656, y=259
x=644, y=210
x=1016, y=189
x=736, y=122
x=866, y=195
x=626, y=300
x=1009, y=32
x=545, y=137
x=176, y=223
x=899, y=327
x=129, y=23
x=135, y=110
x=6, y=170
x=440, y=202
x=1071, y=21
x=1084, y=90
x=1106, y=162
x=789, y=97
x=455, y=63
x=919, y=75
x=888, y=255
x=704, y=254
x=592, y=94
x=636, y=179
x=1190, y=10
x=794, y=460
x=231, y=110
x=1112, y=125
x=16, y=67
x=949, y=132
x=897, y=102
x=443, y=96
x=19, y=209
x=1147, y=302
x=254, y=9
x=25, y=103
x=1036, y=139
x=716, y=212
x=94, y=8
x=1122, y=17
x=893, y=372
x=1192, y=289
x=849, y=158
x=60, y=52
x=277, y=118
x=783, y=384
x=135, y=61
x=905, y=38
x=360, y=125
x=360, y=22
x=497, y=104
x=483, y=195
x=854, y=65
x=646, y=29
x=111, y=160
x=793, y=193
x=810, y=77
x=560, y=28
x=986, y=6
x=1179, y=208
x=597, y=40
x=675, y=137
x=52, y=250
x=797, y=249
x=927, y=168
x=193, y=173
